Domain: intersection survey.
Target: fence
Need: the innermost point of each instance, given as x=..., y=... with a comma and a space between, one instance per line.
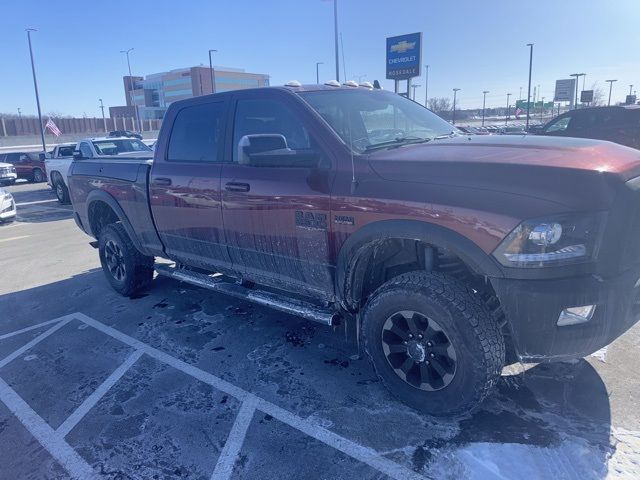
x=29, y=126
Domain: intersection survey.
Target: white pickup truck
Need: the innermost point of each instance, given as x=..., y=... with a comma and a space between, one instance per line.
x=63, y=155
x=57, y=165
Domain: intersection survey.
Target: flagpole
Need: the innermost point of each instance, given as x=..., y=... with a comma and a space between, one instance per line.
x=35, y=86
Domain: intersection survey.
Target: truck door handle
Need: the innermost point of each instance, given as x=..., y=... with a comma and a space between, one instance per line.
x=164, y=181
x=236, y=187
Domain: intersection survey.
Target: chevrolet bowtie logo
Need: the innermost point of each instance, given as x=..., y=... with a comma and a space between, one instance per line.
x=402, y=46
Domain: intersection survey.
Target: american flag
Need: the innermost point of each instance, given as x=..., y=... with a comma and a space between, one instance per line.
x=518, y=112
x=53, y=128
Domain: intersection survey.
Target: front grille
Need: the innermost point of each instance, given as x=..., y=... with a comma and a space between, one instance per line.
x=5, y=170
x=10, y=208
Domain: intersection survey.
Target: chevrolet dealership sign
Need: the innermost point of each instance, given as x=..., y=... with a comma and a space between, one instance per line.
x=404, y=56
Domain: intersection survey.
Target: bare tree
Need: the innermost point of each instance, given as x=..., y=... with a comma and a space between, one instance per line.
x=598, y=95
x=439, y=104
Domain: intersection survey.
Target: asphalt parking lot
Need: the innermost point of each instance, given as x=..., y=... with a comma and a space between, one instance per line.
x=184, y=383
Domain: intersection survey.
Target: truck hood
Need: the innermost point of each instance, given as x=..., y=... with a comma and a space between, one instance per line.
x=578, y=173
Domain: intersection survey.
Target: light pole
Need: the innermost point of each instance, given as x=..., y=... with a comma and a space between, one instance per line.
x=520, y=94
x=610, y=87
x=360, y=77
x=104, y=121
x=453, y=117
x=426, y=86
x=484, y=102
x=211, y=72
x=318, y=71
x=577, y=75
x=630, y=89
x=135, y=106
x=335, y=28
x=506, y=117
x=530, y=45
x=414, y=86
x=35, y=87
x=19, y=113
x=542, y=109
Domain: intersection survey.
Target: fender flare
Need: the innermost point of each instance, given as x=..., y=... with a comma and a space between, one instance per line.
x=350, y=268
x=102, y=196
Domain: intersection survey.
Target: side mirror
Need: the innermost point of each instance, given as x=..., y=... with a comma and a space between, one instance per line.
x=260, y=143
x=271, y=150
x=77, y=155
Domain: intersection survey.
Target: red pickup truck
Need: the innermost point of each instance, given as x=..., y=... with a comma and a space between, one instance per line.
x=343, y=203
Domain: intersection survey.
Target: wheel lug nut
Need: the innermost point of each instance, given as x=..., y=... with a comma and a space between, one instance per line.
x=432, y=355
x=411, y=335
x=420, y=336
x=429, y=344
x=405, y=342
x=427, y=362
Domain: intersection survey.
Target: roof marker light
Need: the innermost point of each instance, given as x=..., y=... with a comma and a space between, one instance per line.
x=366, y=85
x=293, y=83
x=332, y=83
x=351, y=83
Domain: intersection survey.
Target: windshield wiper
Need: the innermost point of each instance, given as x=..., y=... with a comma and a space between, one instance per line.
x=397, y=142
x=446, y=135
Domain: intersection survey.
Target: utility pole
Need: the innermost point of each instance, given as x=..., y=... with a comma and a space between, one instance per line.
x=335, y=27
x=211, y=72
x=610, y=87
x=104, y=120
x=19, y=113
x=135, y=106
x=630, y=89
x=484, y=102
x=453, y=118
x=414, y=86
x=426, y=86
x=318, y=71
x=542, y=109
x=530, y=45
x=506, y=117
x=35, y=87
x=520, y=94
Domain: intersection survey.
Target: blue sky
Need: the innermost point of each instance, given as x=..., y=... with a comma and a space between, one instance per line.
x=471, y=45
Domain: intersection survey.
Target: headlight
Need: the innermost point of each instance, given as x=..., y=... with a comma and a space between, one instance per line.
x=556, y=240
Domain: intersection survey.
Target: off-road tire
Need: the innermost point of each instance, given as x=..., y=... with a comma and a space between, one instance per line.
x=466, y=321
x=138, y=268
x=38, y=176
x=61, y=190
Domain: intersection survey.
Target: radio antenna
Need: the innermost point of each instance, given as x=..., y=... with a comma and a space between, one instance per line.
x=354, y=182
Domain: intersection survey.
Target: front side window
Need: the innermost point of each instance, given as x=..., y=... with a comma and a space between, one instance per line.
x=368, y=120
x=559, y=125
x=197, y=133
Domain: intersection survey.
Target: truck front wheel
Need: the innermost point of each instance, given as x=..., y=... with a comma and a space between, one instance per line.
x=433, y=343
x=126, y=269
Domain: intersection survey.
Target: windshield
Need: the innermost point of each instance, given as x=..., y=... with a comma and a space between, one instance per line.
x=117, y=147
x=367, y=120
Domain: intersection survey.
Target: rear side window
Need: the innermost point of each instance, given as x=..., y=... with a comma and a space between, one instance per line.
x=197, y=133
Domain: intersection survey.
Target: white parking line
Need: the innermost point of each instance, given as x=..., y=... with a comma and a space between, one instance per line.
x=63, y=321
x=54, y=442
x=233, y=445
x=35, y=202
x=14, y=238
x=73, y=419
x=26, y=329
x=58, y=448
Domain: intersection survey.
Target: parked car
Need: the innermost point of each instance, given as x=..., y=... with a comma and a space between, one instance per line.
x=445, y=249
x=7, y=207
x=28, y=165
x=57, y=165
x=513, y=130
x=8, y=174
x=125, y=133
x=619, y=124
x=108, y=147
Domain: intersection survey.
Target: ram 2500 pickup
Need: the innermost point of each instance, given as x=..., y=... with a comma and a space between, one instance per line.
x=345, y=203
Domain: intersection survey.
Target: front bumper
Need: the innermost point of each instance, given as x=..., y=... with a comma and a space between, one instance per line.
x=532, y=308
x=7, y=209
x=8, y=177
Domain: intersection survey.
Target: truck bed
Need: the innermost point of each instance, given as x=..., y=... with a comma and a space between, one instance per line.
x=121, y=183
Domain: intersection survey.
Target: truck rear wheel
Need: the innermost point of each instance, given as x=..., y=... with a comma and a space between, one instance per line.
x=433, y=343
x=62, y=193
x=126, y=269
